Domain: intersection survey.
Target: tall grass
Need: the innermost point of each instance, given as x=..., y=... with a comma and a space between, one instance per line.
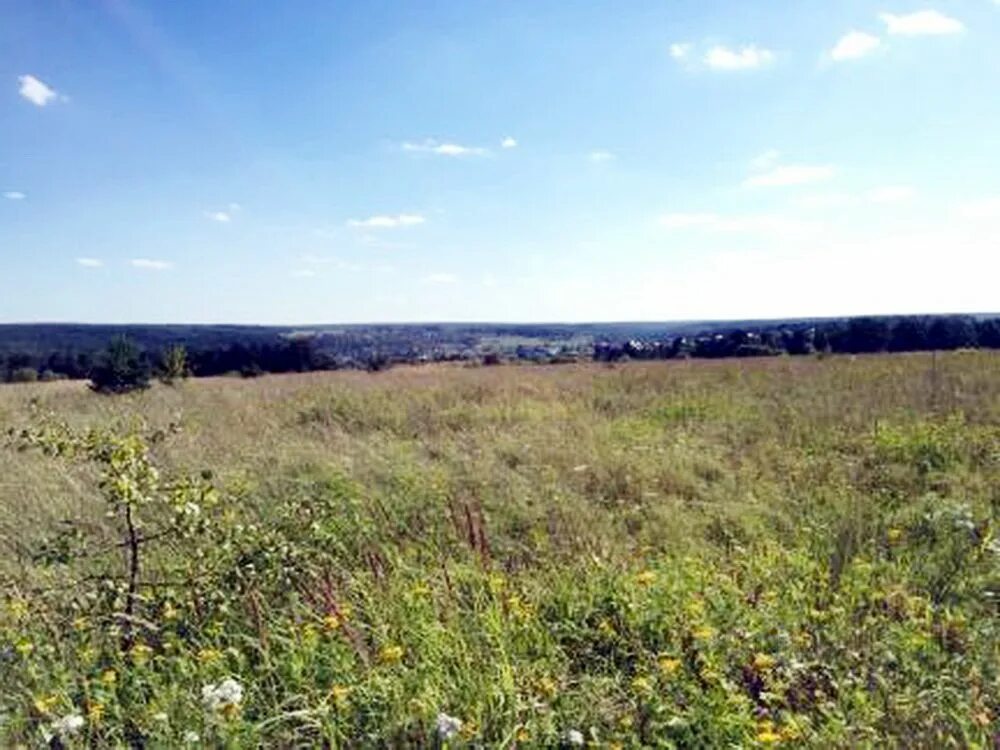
x=794, y=552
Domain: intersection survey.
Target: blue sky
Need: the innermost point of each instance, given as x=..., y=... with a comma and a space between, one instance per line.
x=311, y=161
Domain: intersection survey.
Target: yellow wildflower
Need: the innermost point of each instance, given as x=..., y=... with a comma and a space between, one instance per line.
x=140, y=653
x=24, y=646
x=331, y=622
x=80, y=623
x=645, y=578
x=668, y=665
x=44, y=704
x=339, y=693
x=169, y=611
x=894, y=536
x=108, y=677
x=209, y=655
x=95, y=712
x=763, y=662
x=641, y=684
x=703, y=633
x=523, y=735
x=390, y=654
x=766, y=735
x=605, y=627
x=17, y=608
x=547, y=687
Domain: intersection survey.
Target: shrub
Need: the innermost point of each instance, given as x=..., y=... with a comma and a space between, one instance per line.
x=123, y=369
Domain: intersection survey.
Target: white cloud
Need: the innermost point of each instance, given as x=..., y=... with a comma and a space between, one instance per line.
x=90, y=262
x=981, y=208
x=14, y=195
x=441, y=278
x=388, y=222
x=746, y=224
x=890, y=194
x=600, y=156
x=431, y=146
x=680, y=50
x=748, y=57
x=508, y=142
x=224, y=216
x=36, y=91
x=791, y=174
x=765, y=160
x=151, y=265
x=854, y=45
x=302, y=273
x=921, y=23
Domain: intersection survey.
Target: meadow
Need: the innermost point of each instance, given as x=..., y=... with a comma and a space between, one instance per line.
x=784, y=552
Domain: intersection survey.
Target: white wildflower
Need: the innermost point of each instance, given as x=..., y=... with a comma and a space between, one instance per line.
x=68, y=725
x=226, y=695
x=190, y=737
x=448, y=726
x=574, y=737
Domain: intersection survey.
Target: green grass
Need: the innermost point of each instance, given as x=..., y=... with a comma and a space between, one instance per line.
x=784, y=552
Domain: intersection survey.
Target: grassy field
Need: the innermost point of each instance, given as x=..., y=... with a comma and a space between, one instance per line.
x=785, y=552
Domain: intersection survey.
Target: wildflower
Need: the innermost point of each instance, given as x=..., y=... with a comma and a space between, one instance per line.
x=68, y=725
x=161, y=717
x=523, y=735
x=763, y=662
x=703, y=633
x=224, y=697
x=95, y=712
x=447, y=726
x=140, y=653
x=894, y=536
x=574, y=737
x=209, y=655
x=17, y=608
x=668, y=665
x=80, y=623
x=642, y=684
x=108, y=677
x=45, y=704
x=766, y=734
x=605, y=627
x=547, y=687
x=190, y=737
x=339, y=693
x=645, y=578
x=390, y=654
x=331, y=622
x=169, y=611
x=24, y=646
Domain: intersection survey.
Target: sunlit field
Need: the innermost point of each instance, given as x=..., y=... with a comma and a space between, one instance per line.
x=783, y=552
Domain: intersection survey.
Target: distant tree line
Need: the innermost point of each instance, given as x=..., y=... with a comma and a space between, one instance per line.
x=850, y=336
x=142, y=354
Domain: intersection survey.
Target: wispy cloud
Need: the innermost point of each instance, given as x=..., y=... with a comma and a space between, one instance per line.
x=387, y=222
x=791, y=174
x=981, y=208
x=508, y=142
x=890, y=194
x=600, y=156
x=440, y=278
x=749, y=57
x=432, y=146
x=14, y=195
x=921, y=23
x=302, y=273
x=765, y=160
x=740, y=224
x=224, y=216
x=854, y=45
x=90, y=262
x=681, y=50
x=151, y=265
x=37, y=91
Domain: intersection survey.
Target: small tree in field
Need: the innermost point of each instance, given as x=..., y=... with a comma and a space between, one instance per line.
x=174, y=364
x=122, y=369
